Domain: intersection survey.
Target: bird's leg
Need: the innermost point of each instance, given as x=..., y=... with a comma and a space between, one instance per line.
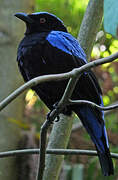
x=55, y=107
x=58, y=118
x=48, y=116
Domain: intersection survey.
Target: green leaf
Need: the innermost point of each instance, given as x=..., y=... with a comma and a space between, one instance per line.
x=111, y=17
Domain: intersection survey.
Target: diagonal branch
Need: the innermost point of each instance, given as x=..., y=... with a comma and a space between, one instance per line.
x=56, y=77
x=32, y=83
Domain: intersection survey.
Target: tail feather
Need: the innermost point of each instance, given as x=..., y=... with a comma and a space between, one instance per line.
x=97, y=132
x=106, y=163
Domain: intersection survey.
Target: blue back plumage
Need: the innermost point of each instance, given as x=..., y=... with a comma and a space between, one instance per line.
x=67, y=43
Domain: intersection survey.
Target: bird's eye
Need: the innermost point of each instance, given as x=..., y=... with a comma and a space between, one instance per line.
x=42, y=20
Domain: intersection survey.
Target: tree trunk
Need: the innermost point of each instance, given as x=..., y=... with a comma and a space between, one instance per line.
x=90, y=25
x=10, y=34
x=58, y=140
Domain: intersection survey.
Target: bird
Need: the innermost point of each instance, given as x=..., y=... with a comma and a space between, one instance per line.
x=48, y=48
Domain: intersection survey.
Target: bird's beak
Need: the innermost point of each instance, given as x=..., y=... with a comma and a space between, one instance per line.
x=24, y=17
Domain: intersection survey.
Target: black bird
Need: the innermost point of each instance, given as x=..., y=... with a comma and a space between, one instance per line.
x=48, y=48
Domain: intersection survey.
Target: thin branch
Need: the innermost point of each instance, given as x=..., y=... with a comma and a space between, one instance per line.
x=70, y=87
x=41, y=164
x=55, y=77
x=52, y=151
x=64, y=100
x=95, y=63
x=69, y=90
x=93, y=104
x=31, y=83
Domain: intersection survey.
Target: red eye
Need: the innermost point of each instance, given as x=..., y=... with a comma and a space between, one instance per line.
x=42, y=20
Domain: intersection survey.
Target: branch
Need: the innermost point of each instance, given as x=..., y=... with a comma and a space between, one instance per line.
x=32, y=83
x=71, y=102
x=41, y=164
x=53, y=151
x=73, y=75
x=90, y=25
x=56, y=77
x=59, y=138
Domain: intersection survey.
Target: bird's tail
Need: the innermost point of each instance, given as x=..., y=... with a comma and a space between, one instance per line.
x=94, y=124
x=106, y=163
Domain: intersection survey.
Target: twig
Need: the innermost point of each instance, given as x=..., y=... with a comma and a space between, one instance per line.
x=70, y=86
x=93, y=104
x=95, y=63
x=52, y=151
x=41, y=164
x=68, y=91
x=31, y=83
x=55, y=77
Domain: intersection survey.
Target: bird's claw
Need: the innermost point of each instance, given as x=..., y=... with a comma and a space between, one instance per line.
x=55, y=106
x=58, y=118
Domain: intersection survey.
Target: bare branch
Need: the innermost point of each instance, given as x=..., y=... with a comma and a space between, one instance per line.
x=33, y=82
x=93, y=104
x=56, y=77
x=53, y=151
x=41, y=164
x=95, y=63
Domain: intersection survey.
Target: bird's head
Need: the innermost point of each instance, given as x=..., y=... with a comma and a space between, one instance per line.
x=41, y=22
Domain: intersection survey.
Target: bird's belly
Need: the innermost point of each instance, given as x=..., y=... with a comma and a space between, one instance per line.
x=51, y=91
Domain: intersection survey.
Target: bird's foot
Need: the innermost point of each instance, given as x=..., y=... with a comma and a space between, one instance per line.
x=57, y=119
x=48, y=117
x=55, y=107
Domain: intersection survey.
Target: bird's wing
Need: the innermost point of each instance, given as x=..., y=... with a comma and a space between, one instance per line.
x=87, y=88
x=66, y=44
x=56, y=52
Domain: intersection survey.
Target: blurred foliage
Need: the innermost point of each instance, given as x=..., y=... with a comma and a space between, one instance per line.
x=107, y=73
x=71, y=12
